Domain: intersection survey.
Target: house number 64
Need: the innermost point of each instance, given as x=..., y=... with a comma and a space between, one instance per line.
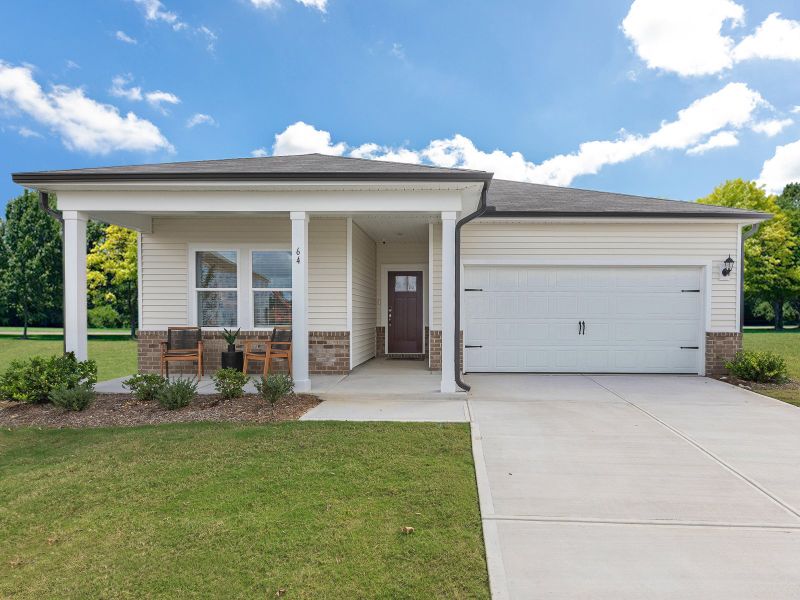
x=298, y=255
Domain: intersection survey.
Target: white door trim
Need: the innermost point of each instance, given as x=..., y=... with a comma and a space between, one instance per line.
x=385, y=268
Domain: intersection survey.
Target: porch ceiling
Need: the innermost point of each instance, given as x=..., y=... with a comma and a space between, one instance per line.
x=395, y=228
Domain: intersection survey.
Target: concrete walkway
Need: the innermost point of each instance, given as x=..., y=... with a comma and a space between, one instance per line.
x=387, y=390
x=636, y=487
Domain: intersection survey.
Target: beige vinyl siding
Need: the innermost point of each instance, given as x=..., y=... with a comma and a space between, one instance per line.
x=362, y=338
x=436, y=277
x=327, y=275
x=607, y=241
x=165, y=268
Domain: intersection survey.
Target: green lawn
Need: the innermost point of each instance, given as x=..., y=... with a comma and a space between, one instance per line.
x=215, y=510
x=115, y=355
x=787, y=344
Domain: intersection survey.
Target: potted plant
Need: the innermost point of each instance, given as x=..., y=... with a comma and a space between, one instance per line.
x=232, y=359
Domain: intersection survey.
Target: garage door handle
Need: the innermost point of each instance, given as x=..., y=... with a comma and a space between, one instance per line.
x=690, y=347
x=470, y=346
x=581, y=327
x=473, y=289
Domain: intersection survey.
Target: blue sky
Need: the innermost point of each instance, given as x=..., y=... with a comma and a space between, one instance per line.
x=438, y=82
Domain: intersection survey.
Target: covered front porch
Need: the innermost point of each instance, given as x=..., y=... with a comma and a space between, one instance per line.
x=366, y=274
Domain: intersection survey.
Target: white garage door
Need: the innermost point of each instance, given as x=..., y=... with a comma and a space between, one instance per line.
x=583, y=319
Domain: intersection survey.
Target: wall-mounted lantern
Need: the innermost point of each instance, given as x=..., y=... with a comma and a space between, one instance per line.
x=727, y=266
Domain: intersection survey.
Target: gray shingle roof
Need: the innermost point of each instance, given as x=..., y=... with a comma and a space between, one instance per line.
x=509, y=198
x=297, y=167
x=518, y=198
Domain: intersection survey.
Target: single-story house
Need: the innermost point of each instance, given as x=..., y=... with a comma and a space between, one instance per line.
x=370, y=258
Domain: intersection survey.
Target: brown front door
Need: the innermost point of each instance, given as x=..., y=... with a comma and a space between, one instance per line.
x=405, y=312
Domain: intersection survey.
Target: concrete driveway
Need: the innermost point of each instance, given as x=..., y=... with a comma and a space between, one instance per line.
x=636, y=487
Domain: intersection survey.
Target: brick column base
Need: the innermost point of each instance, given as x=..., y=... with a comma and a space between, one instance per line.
x=328, y=352
x=380, y=342
x=435, y=350
x=720, y=348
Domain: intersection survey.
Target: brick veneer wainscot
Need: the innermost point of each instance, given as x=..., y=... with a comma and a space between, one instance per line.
x=720, y=348
x=328, y=352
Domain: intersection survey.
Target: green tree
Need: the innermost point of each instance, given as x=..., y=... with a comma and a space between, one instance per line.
x=772, y=271
x=789, y=201
x=4, y=310
x=32, y=275
x=112, y=272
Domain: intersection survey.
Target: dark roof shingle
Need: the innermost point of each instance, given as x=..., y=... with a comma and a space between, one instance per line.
x=518, y=198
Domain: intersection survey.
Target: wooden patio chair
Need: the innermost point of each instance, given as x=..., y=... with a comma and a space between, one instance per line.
x=183, y=344
x=278, y=346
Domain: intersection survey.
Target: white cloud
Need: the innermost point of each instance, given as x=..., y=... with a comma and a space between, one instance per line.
x=377, y=152
x=776, y=38
x=772, y=127
x=723, y=139
x=71, y=64
x=259, y=152
x=120, y=88
x=81, y=122
x=697, y=128
x=782, y=168
x=154, y=10
x=200, y=119
x=796, y=110
x=28, y=133
x=398, y=51
x=301, y=138
x=124, y=37
x=210, y=37
x=684, y=36
x=158, y=98
x=320, y=5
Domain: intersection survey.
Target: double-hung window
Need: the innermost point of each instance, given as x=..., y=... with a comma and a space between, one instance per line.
x=272, y=288
x=217, y=288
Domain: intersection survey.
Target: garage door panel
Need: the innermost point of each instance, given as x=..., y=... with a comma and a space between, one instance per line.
x=637, y=319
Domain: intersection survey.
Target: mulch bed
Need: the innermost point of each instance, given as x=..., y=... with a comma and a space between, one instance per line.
x=758, y=387
x=111, y=410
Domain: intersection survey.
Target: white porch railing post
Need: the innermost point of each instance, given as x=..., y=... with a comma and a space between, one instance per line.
x=448, y=302
x=302, y=382
x=75, y=331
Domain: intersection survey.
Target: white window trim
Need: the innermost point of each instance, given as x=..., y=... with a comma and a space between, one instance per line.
x=253, y=290
x=244, y=289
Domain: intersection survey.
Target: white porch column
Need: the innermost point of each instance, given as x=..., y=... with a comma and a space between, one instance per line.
x=302, y=383
x=448, y=301
x=75, y=332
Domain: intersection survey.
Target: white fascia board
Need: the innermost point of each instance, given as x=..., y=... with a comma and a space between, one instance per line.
x=262, y=186
x=253, y=202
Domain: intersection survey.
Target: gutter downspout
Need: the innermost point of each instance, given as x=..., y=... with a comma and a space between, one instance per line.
x=44, y=204
x=745, y=236
x=482, y=210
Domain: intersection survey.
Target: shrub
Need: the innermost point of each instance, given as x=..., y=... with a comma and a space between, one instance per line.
x=177, y=393
x=104, y=316
x=274, y=387
x=76, y=398
x=31, y=380
x=145, y=386
x=230, y=383
x=762, y=367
